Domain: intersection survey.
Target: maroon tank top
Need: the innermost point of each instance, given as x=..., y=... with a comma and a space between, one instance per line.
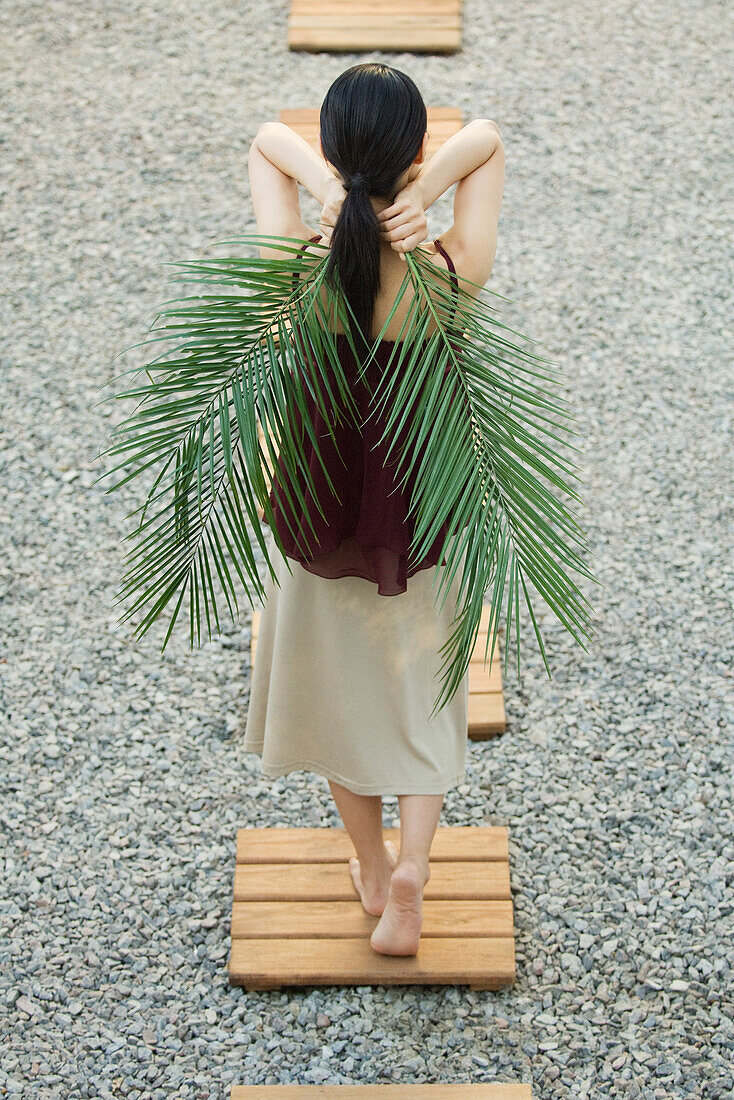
x=367, y=530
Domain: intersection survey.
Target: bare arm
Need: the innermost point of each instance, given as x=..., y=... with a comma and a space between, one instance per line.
x=474, y=159
x=280, y=160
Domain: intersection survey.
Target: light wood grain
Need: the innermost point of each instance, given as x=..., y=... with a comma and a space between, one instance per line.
x=347, y=919
x=486, y=714
x=416, y=25
x=458, y=879
x=301, y=922
x=484, y=962
x=334, y=845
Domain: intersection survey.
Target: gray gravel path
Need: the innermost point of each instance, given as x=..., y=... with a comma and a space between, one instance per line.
x=125, y=130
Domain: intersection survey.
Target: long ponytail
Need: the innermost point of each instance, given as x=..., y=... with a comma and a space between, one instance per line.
x=355, y=254
x=372, y=123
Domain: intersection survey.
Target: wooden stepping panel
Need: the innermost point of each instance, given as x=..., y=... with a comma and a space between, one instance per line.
x=486, y=701
x=383, y=1092
x=416, y=26
x=442, y=123
x=297, y=918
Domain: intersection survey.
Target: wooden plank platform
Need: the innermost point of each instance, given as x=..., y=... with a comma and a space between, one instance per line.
x=416, y=26
x=450, y=1091
x=486, y=700
x=442, y=123
x=297, y=918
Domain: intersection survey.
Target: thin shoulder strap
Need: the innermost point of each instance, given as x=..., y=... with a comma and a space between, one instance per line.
x=445, y=255
x=311, y=240
x=454, y=278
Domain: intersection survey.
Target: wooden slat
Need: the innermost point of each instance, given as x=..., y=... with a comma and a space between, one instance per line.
x=304, y=845
x=296, y=922
x=324, y=36
x=340, y=919
x=450, y=1091
x=486, y=715
x=442, y=122
x=484, y=962
x=414, y=25
x=465, y=879
x=479, y=678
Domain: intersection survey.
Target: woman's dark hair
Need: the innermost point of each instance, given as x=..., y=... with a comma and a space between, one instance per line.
x=372, y=123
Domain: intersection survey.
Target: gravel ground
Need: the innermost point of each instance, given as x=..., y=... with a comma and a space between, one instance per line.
x=128, y=127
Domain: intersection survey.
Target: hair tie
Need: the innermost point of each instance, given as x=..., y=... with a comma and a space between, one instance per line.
x=357, y=180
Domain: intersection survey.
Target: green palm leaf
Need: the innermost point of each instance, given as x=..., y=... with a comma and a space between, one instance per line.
x=486, y=443
x=487, y=469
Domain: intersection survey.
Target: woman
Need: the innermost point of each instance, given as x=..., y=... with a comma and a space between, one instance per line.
x=349, y=637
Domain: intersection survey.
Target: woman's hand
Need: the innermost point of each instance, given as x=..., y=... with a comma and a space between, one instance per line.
x=333, y=198
x=404, y=223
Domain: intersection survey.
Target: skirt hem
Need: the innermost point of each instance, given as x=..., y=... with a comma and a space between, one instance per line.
x=275, y=771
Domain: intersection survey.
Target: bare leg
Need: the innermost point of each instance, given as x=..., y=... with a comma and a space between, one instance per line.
x=371, y=868
x=399, y=928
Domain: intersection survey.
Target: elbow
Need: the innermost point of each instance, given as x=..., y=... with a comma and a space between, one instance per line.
x=264, y=129
x=488, y=123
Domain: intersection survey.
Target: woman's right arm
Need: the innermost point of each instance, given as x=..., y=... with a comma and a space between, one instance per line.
x=474, y=159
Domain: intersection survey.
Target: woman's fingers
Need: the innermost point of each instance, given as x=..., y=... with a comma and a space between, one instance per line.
x=403, y=217
x=407, y=244
x=397, y=210
x=404, y=228
x=400, y=228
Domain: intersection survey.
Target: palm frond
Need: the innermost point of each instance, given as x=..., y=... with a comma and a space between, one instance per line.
x=483, y=453
x=485, y=447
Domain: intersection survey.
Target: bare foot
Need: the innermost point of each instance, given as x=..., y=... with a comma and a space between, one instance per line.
x=399, y=929
x=373, y=891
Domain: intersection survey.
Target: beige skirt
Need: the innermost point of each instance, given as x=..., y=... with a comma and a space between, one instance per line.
x=345, y=679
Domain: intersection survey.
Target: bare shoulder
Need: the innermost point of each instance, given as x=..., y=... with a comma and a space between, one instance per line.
x=313, y=240
x=463, y=261
x=435, y=255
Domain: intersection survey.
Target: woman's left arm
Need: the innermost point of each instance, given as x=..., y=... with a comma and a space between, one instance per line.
x=280, y=160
